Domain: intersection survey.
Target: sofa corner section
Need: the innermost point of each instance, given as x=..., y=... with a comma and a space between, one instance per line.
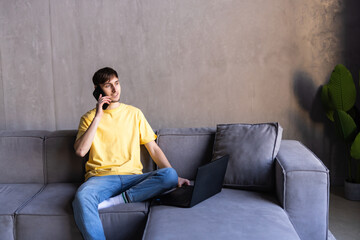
x=303, y=186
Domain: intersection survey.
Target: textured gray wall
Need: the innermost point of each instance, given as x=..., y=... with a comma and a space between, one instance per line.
x=184, y=63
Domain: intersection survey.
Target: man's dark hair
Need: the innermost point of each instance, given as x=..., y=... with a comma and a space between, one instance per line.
x=103, y=75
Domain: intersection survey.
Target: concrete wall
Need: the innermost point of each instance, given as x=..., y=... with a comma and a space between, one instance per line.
x=184, y=63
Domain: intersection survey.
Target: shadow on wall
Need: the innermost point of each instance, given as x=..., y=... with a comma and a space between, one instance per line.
x=308, y=96
x=326, y=145
x=322, y=139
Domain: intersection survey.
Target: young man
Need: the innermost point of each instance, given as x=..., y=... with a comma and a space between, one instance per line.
x=114, y=171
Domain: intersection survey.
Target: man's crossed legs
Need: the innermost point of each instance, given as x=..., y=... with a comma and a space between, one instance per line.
x=137, y=188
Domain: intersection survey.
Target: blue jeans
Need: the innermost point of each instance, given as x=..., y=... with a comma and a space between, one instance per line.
x=97, y=189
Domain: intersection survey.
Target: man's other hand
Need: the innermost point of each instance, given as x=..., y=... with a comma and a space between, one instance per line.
x=182, y=181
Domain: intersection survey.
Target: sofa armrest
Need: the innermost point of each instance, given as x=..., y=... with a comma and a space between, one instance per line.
x=302, y=186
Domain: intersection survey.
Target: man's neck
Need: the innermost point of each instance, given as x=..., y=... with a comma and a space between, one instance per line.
x=113, y=105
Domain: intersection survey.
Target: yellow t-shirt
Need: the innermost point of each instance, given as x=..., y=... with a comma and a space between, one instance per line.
x=115, y=149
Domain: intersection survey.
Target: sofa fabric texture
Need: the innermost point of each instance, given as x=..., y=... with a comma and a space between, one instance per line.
x=231, y=214
x=43, y=173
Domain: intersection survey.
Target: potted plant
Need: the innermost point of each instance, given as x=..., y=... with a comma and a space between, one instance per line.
x=339, y=97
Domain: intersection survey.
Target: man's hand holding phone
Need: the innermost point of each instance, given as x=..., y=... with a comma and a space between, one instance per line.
x=103, y=100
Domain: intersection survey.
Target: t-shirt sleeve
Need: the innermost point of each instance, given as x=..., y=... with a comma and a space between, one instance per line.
x=83, y=126
x=146, y=133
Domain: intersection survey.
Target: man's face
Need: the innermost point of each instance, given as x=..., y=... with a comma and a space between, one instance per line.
x=112, y=88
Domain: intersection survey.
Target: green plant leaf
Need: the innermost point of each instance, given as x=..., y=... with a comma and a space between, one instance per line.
x=330, y=115
x=341, y=88
x=345, y=125
x=325, y=99
x=355, y=148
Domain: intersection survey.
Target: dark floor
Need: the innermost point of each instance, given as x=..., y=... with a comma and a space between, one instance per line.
x=344, y=217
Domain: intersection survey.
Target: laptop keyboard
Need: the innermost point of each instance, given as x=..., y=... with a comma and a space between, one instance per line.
x=179, y=195
x=183, y=193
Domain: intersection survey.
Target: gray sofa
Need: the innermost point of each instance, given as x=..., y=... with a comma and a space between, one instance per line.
x=40, y=174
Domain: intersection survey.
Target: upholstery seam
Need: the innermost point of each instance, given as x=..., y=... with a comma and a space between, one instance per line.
x=57, y=136
x=16, y=212
x=247, y=124
x=285, y=198
x=274, y=147
x=319, y=171
x=147, y=221
x=328, y=206
x=44, y=161
x=227, y=185
x=14, y=226
x=277, y=132
x=21, y=137
x=284, y=182
x=292, y=223
x=190, y=135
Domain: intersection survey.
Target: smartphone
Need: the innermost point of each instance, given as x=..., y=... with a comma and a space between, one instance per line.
x=97, y=93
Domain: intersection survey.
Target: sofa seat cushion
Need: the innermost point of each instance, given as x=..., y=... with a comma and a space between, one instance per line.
x=52, y=210
x=231, y=214
x=12, y=198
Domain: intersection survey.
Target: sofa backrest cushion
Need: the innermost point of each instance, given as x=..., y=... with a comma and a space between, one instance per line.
x=147, y=162
x=252, y=149
x=187, y=148
x=63, y=165
x=21, y=156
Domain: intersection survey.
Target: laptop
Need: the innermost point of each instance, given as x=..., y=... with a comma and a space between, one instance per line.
x=208, y=182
